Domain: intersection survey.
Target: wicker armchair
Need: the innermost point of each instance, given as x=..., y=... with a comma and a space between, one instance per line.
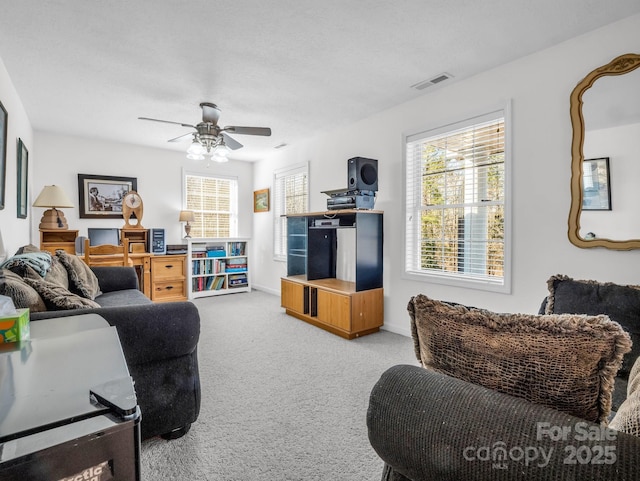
x=429, y=426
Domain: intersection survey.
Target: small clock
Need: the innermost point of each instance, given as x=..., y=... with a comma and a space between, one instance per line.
x=132, y=204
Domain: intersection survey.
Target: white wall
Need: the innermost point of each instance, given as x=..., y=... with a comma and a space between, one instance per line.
x=539, y=87
x=15, y=232
x=159, y=177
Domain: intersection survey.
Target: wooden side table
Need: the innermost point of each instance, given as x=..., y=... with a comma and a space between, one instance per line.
x=54, y=239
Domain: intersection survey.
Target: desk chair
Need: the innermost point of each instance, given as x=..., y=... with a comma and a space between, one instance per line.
x=107, y=254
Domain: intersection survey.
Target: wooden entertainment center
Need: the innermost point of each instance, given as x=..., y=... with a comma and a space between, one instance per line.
x=311, y=292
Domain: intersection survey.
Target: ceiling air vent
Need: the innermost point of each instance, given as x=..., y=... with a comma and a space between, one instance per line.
x=435, y=80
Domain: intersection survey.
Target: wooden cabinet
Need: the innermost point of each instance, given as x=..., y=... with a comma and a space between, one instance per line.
x=333, y=305
x=54, y=239
x=168, y=278
x=313, y=290
x=138, y=239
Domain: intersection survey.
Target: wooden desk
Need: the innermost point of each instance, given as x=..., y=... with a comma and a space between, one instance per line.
x=161, y=277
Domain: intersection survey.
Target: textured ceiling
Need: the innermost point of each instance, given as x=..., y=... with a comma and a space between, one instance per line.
x=91, y=68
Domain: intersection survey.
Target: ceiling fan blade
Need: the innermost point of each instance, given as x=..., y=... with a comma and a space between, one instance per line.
x=180, y=137
x=265, y=131
x=210, y=112
x=230, y=142
x=167, y=122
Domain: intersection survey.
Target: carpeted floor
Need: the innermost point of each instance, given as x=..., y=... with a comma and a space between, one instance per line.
x=281, y=399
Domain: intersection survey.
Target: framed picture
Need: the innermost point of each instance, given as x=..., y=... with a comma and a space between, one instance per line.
x=596, y=185
x=261, y=200
x=23, y=177
x=100, y=196
x=3, y=152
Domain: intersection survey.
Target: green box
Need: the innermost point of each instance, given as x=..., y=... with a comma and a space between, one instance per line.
x=15, y=328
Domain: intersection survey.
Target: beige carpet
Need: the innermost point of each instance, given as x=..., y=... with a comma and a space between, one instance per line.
x=281, y=399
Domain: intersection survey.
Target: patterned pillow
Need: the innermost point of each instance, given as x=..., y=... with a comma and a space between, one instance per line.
x=57, y=297
x=81, y=278
x=621, y=303
x=22, y=294
x=567, y=362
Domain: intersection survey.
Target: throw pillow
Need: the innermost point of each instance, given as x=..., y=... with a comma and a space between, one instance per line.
x=22, y=294
x=58, y=273
x=567, y=362
x=627, y=419
x=29, y=248
x=621, y=303
x=81, y=277
x=57, y=297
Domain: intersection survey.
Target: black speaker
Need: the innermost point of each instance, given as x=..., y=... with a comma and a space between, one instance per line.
x=363, y=174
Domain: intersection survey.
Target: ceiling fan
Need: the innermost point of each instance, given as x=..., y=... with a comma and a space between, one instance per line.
x=211, y=139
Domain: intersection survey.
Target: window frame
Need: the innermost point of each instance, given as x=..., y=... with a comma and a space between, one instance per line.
x=449, y=278
x=278, y=207
x=233, y=218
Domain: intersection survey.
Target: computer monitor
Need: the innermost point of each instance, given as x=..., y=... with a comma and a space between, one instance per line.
x=103, y=235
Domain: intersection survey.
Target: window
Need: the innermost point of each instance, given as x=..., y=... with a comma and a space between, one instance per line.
x=214, y=201
x=290, y=196
x=455, y=204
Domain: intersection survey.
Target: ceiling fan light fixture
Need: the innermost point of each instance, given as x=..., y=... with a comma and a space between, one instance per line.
x=221, y=150
x=219, y=158
x=195, y=148
x=195, y=156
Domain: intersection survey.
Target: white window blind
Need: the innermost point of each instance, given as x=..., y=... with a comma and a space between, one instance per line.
x=291, y=196
x=214, y=202
x=455, y=201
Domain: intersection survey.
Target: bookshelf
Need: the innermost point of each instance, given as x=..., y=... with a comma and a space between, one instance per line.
x=218, y=266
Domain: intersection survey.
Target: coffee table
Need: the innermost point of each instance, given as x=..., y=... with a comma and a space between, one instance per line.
x=67, y=404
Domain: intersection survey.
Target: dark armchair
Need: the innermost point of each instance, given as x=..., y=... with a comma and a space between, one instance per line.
x=429, y=426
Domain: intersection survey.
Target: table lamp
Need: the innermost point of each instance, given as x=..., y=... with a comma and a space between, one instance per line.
x=54, y=197
x=187, y=216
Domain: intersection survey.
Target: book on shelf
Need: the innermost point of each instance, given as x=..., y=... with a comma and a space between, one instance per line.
x=219, y=283
x=237, y=248
x=238, y=280
x=216, y=251
x=238, y=260
x=219, y=266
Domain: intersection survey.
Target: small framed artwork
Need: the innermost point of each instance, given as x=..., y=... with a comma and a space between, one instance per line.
x=23, y=179
x=596, y=184
x=3, y=151
x=261, y=200
x=100, y=196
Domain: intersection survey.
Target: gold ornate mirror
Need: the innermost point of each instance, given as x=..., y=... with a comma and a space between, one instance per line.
x=605, y=146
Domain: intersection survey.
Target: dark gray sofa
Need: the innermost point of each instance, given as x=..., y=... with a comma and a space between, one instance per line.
x=429, y=426
x=159, y=341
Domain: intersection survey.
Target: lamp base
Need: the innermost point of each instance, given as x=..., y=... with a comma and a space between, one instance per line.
x=187, y=231
x=53, y=219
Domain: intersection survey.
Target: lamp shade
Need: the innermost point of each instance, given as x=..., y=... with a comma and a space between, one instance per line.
x=52, y=196
x=187, y=216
